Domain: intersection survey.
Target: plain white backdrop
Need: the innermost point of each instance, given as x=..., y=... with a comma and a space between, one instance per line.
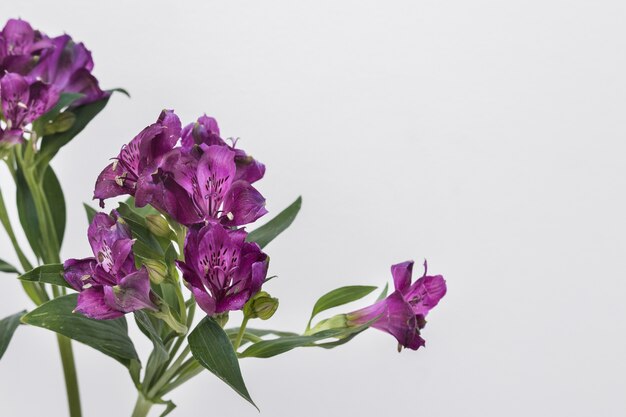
x=485, y=136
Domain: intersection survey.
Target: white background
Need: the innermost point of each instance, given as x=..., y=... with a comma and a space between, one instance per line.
x=485, y=136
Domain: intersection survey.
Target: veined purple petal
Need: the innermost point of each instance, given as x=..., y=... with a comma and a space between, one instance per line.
x=425, y=293
x=110, y=183
x=216, y=171
x=402, y=275
x=15, y=93
x=91, y=303
x=243, y=204
x=131, y=294
x=79, y=272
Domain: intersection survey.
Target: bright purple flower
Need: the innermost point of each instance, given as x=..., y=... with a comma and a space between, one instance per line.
x=206, y=131
x=201, y=187
x=109, y=283
x=67, y=67
x=131, y=172
x=22, y=103
x=403, y=312
x=221, y=269
x=18, y=44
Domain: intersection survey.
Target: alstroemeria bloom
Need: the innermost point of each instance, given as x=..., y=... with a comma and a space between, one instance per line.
x=109, y=283
x=131, y=172
x=18, y=44
x=22, y=103
x=221, y=269
x=206, y=131
x=67, y=67
x=201, y=187
x=403, y=312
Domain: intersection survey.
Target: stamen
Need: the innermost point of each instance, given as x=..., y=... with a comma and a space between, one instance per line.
x=22, y=105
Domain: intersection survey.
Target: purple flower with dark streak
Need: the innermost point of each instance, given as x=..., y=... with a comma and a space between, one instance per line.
x=206, y=131
x=403, y=312
x=201, y=187
x=109, y=283
x=22, y=103
x=221, y=269
x=131, y=172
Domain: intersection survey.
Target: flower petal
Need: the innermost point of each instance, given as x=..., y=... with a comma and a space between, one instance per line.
x=91, y=303
x=402, y=275
x=243, y=204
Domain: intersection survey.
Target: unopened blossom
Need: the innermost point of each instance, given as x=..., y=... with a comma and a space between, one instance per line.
x=403, y=312
x=109, y=283
x=221, y=269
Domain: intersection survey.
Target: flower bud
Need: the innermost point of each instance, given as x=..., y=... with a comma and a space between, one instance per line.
x=62, y=123
x=158, y=226
x=262, y=306
x=157, y=270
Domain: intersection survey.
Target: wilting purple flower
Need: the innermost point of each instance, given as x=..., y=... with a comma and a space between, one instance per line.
x=201, y=187
x=221, y=269
x=22, y=103
x=131, y=172
x=403, y=312
x=109, y=283
x=67, y=67
x=18, y=45
x=206, y=131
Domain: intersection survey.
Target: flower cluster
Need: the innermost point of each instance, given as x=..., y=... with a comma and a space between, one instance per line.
x=403, y=313
x=109, y=283
x=35, y=70
x=196, y=178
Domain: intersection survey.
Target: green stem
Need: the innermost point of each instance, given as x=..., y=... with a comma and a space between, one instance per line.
x=242, y=330
x=168, y=374
x=142, y=406
x=69, y=369
x=192, y=370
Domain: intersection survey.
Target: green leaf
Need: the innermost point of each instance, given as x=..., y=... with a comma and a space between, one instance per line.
x=383, y=293
x=108, y=336
x=7, y=328
x=340, y=296
x=269, y=348
x=159, y=354
x=27, y=213
x=54, y=195
x=90, y=211
x=212, y=349
x=266, y=233
x=7, y=267
x=50, y=144
x=49, y=274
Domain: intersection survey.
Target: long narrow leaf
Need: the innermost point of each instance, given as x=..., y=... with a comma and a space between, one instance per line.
x=7, y=328
x=49, y=274
x=266, y=233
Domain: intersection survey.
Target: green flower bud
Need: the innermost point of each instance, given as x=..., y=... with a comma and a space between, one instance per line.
x=158, y=226
x=261, y=305
x=156, y=269
x=221, y=319
x=62, y=123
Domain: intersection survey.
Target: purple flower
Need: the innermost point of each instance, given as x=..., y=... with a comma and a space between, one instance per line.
x=109, y=283
x=18, y=44
x=67, y=67
x=200, y=187
x=131, y=172
x=22, y=103
x=221, y=269
x=206, y=131
x=403, y=312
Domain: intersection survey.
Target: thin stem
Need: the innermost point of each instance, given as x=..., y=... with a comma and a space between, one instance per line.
x=69, y=369
x=194, y=369
x=168, y=374
x=242, y=330
x=142, y=406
